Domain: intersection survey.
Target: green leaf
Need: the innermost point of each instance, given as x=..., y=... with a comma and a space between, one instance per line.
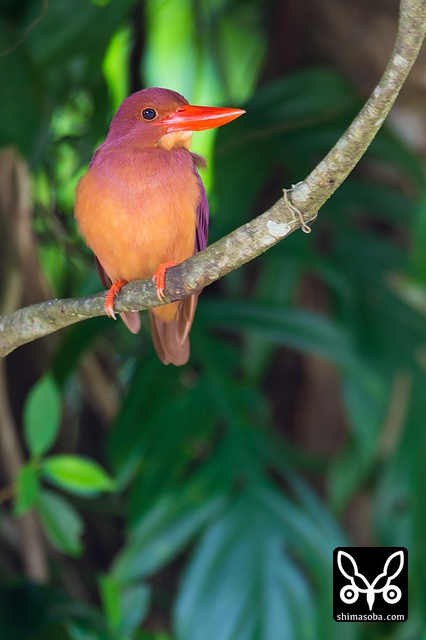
x=80, y=632
x=242, y=584
x=366, y=396
x=162, y=533
x=418, y=255
x=76, y=474
x=27, y=489
x=42, y=414
x=146, y=635
x=109, y=590
x=309, y=332
x=21, y=85
x=252, y=573
x=295, y=119
x=124, y=607
x=61, y=523
x=135, y=604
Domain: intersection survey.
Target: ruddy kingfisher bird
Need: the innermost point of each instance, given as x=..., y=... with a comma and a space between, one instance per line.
x=142, y=208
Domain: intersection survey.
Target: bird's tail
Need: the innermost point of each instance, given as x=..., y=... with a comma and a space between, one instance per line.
x=170, y=339
x=132, y=320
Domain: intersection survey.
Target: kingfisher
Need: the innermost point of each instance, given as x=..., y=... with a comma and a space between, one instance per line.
x=141, y=206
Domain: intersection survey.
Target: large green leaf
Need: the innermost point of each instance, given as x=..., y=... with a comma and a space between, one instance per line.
x=296, y=99
x=289, y=327
x=242, y=581
x=81, y=632
x=145, y=398
x=70, y=31
x=153, y=438
x=24, y=107
x=170, y=525
x=366, y=395
x=146, y=635
x=417, y=254
x=411, y=513
x=290, y=123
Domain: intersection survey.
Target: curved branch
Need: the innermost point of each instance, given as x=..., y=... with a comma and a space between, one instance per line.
x=255, y=237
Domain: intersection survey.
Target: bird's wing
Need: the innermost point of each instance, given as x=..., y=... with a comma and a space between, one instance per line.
x=107, y=282
x=202, y=218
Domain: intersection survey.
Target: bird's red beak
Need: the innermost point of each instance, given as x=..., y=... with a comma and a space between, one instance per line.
x=191, y=118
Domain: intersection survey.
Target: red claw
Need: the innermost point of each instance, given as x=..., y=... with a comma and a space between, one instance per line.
x=110, y=296
x=159, y=278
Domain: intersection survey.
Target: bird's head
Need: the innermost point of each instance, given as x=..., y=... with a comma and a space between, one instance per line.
x=162, y=117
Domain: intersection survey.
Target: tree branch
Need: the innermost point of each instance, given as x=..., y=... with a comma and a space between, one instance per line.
x=255, y=237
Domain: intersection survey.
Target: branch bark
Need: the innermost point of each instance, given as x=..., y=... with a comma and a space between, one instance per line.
x=256, y=237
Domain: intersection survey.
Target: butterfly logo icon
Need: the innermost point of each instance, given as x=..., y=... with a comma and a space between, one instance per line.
x=381, y=584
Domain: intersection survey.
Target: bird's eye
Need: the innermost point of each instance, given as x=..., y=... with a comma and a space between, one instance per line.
x=149, y=114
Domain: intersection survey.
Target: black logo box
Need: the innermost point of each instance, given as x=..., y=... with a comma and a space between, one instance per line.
x=370, y=583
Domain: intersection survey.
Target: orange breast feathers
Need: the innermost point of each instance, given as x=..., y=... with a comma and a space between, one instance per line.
x=136, y=209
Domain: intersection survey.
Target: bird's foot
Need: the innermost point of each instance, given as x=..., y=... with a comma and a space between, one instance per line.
x=159, y=278
x=110, y=296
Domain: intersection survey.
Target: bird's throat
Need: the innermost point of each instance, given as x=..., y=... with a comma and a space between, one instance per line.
x=175, y=140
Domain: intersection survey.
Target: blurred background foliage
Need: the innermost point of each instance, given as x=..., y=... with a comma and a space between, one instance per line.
x=150, y=502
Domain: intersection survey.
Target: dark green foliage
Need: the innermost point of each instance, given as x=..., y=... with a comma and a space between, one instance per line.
x=201, y=513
